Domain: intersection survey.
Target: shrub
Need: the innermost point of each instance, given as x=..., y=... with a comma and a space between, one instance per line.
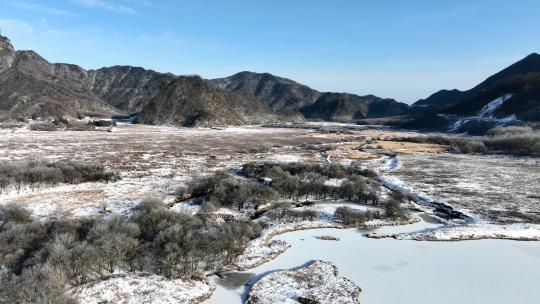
x=514, y=140
x=13, y=213
x=60, y=121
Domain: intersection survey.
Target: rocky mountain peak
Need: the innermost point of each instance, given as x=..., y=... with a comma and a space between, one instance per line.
x=7, y=54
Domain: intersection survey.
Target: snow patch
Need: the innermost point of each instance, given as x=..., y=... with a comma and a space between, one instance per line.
x=485, y=114
x=488, y=110
x=142, y=288
x=318, y=282
x=287, y=158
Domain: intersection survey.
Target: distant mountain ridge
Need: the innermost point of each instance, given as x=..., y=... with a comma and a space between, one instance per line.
x=447, y=98
x=519, y=84
x=283, y=94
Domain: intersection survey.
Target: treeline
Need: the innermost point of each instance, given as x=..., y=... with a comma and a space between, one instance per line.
x=37, y=172
x=506, y=140
x=39, y=259
x=263, y=183
x=392, y=209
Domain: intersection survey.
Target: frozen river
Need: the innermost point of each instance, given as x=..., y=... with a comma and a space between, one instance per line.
x=393, y=271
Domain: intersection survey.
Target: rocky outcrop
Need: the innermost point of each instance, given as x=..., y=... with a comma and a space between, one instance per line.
x=127, y=88
x=316, y=283
x=7, y=54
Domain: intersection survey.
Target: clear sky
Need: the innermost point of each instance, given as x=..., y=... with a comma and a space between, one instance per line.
x=400, y=49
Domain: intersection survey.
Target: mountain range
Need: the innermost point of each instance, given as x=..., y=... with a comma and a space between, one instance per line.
x=285, y=95
x=31, y=87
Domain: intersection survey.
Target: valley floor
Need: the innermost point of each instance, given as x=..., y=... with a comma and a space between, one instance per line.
x=496, y=196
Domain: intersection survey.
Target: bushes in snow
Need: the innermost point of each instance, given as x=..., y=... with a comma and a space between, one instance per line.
x=37, y=172
x=41, y=259
x=520, y=140
x=512, y=140
x=350, y=217
x=265, y=183
x=224, y=190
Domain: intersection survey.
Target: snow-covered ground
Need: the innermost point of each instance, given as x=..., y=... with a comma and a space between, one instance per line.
x=499, y=193
x=319, y=282
x=493, y=189
x=286, y=158
x=521, y=232
x=143, y=288
x=150, y=159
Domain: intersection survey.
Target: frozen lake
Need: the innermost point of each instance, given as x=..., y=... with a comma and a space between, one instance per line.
x=393, y=271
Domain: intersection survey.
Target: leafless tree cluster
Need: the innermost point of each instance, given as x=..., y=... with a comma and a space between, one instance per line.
x=350, y=217
x=278, y=185
x=40, y=259
x=37, y=172
x=303, y=180
x=392, y=207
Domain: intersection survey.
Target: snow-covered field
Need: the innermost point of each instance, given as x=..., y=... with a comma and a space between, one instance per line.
x=152, y=160
x=500, y=194
x=492, y=189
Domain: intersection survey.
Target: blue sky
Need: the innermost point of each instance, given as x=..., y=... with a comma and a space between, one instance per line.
x=400, y=49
